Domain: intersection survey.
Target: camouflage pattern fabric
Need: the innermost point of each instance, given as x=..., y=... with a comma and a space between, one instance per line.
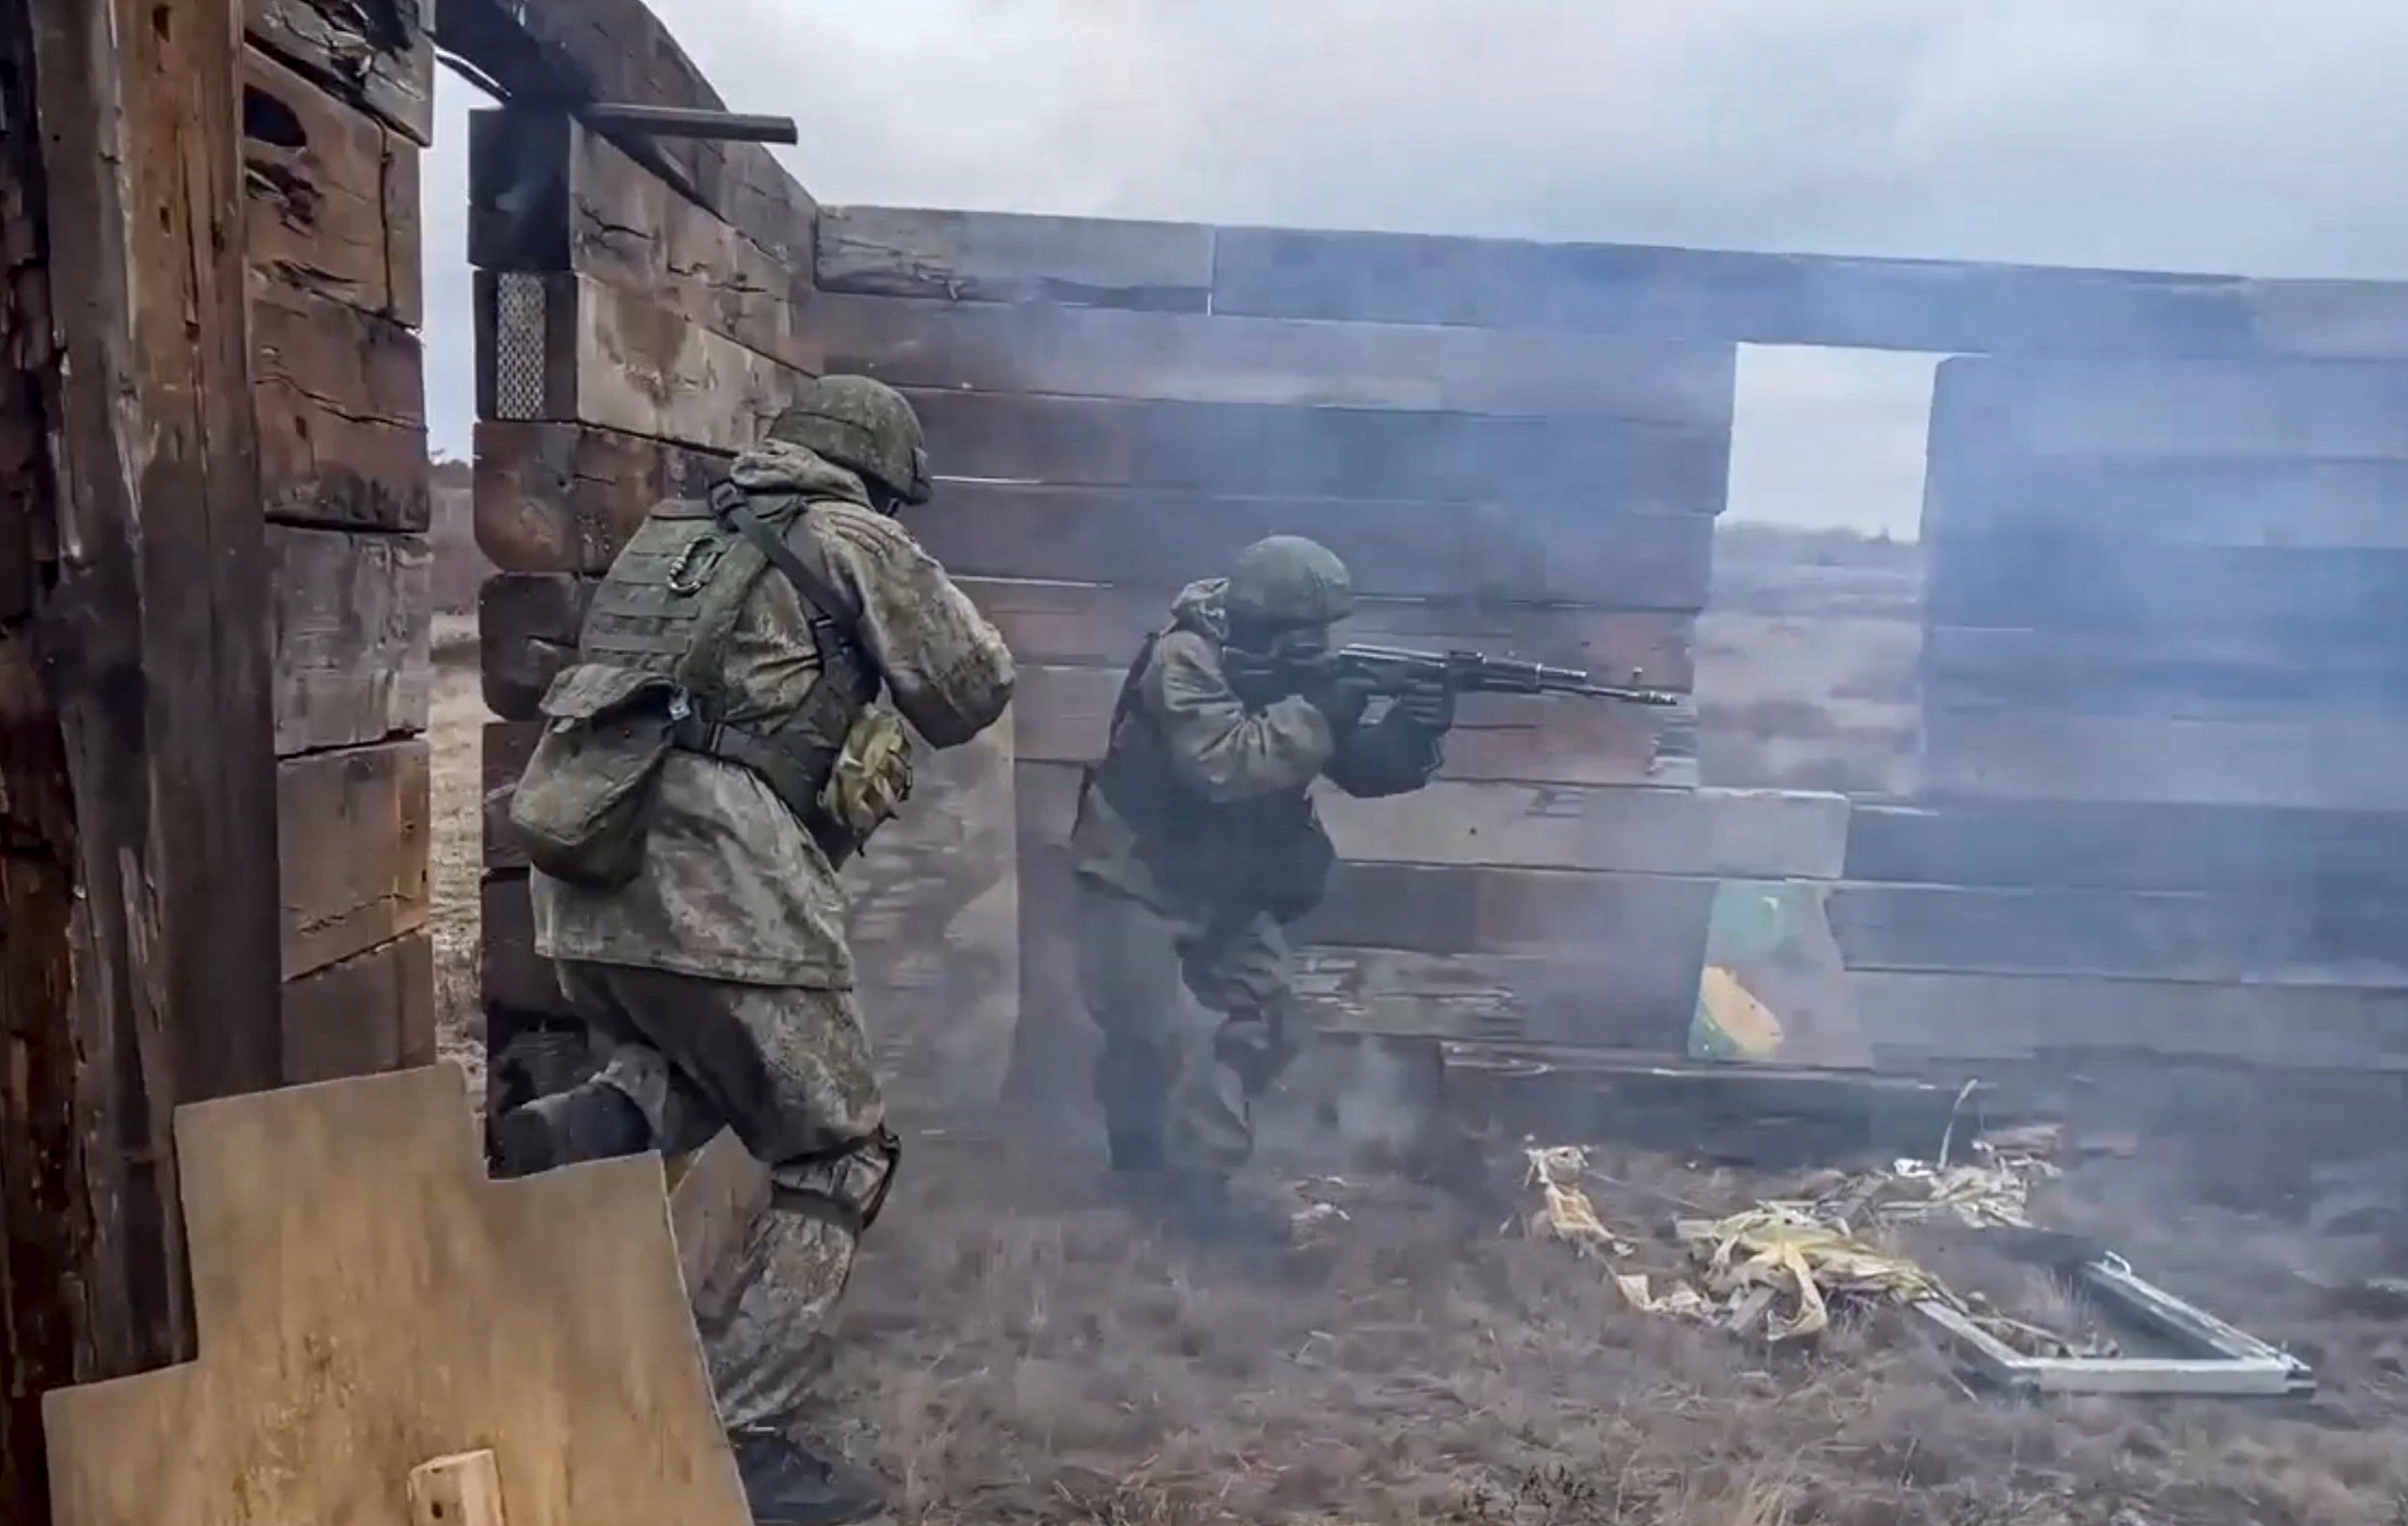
x=1192, y=993
x=1194, y=1017
x=734, y=885
x=790, y=1070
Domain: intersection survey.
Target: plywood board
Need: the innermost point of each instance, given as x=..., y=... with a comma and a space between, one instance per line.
x=1774, y=990
x=352, y=831
x=1247, y=450
x=330, y=195
x=337, y=1232
x=341, y=400
x=990, y=257
x=372, y=1012
x=546, y=195
x=1191, y=357
x=563, y=349
x=352, y=654
x=563, y=498
x=1579, y=552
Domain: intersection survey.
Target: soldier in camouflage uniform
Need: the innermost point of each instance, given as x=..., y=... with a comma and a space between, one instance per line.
x=712, y=965
x=1196, y=841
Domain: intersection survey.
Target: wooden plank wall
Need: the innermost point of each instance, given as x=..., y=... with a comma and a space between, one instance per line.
x=336, y=102
x=2165, y=711
x=1106, y=430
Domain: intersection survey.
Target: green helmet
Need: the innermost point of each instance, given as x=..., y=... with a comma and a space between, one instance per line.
x=864, y=427
x=1287, y=580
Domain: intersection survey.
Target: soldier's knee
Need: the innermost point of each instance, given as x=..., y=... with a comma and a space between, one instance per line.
x=846, y=1186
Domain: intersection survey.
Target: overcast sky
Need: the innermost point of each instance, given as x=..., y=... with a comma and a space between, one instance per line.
x=2264, y=137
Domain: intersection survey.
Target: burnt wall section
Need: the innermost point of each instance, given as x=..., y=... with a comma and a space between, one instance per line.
x=335, y=112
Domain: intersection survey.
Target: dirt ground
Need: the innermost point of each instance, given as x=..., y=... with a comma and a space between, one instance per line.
x=1017, y=1347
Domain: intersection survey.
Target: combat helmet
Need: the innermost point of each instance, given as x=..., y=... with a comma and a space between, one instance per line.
x=1288, y=580
x=863, y=427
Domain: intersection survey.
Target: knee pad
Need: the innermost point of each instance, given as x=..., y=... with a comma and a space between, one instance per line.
x=846, y=1187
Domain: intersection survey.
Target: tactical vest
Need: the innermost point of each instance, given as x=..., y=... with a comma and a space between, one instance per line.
x=674, y=595
x=1267, y=853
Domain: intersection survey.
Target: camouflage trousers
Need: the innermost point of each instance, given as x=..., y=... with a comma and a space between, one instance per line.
x=788, y=1069
x=1194, y=1015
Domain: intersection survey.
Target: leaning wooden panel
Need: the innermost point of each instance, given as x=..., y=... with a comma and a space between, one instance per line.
x=2305, y=854
x=2200, y=410
x=998, y=257
x=1585, y=549
x=1237, y=449
x=337, y=1232
x=353, y=636
x=1915, y=1019
x=1179, y=357
x=935, y=927
x=341, y=400
x=372, y=1012
x=563, y=498
x=2336, y=764
x=546, y=195
x=379, y=54
x=331, y=195
x=1090, y=625
x=561, y=349
x=352, y=829
x=2237, y=935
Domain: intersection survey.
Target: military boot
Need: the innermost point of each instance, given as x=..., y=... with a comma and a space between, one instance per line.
x=588, y=1122
x=786, y=1483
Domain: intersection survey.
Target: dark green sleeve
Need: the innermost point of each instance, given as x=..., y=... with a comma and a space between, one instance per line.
x=1391, y=756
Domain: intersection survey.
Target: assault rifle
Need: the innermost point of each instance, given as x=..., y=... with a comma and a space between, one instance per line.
x=1395, y=669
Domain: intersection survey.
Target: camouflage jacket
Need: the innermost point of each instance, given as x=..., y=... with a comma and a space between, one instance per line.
x=733, y=887
x=1228, y=753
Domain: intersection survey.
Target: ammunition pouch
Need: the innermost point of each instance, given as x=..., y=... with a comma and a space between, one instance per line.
x=578, y=809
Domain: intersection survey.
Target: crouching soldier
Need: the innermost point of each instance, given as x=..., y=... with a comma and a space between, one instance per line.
x=718, y=749
x=1196, y=842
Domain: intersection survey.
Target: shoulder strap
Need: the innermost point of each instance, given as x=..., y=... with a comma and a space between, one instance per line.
x=829, y=623
x=1130, y=686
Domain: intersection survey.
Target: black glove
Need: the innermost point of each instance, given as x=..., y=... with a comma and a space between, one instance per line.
x=1427, y=706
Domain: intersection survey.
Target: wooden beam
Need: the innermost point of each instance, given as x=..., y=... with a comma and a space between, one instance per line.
x=1181, y=357
x=377, y=54
x=2224, y=410
x=547, y=195
x=2096, y=582
x=2335, y=764
x=2240, y=937
x=1586, y=552
x=562, y=349
x=371, y=1013
x=1063, y=714
x=1724, y=295
x=354, y=830
x=1975, y=488
x=332, y=195
x=528, y=625
x=563, y=498
x=2301, y=854
x=515, y=976
x=1919, y=1018
x=1090, y=625
x=508, y=745
x=340, y=402
x=1247, y=450
x=353, y=638
x=154, y=641
x=2217, y=673
x=994, y=256
x=567, y=53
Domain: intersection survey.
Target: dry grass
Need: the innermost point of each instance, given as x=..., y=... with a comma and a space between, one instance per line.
x=1018, y=1349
